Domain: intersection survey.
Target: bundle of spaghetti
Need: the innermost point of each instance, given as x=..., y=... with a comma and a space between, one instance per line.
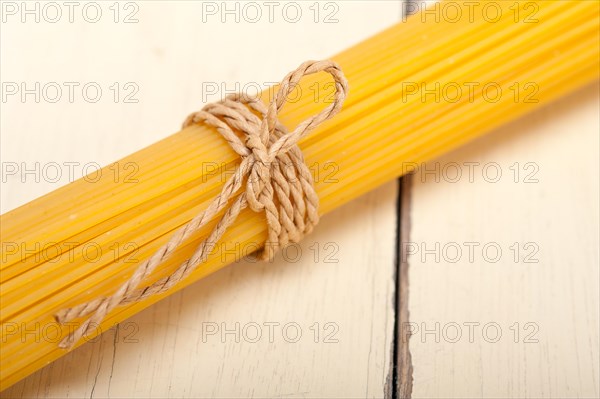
x=417, y=90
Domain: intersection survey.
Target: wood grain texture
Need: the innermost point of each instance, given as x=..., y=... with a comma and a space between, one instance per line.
x=404, y=362
x=320, y=326
x=338, y=294
x=533, y=312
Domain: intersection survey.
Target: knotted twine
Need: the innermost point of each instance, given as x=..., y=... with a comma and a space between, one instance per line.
x=278, y=183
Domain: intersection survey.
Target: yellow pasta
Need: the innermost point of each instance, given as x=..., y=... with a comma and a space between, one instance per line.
x=417, y=90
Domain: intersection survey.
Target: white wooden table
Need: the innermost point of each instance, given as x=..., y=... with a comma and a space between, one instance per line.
x=332, y=324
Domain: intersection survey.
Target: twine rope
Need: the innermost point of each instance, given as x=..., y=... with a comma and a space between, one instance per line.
x=277, y=182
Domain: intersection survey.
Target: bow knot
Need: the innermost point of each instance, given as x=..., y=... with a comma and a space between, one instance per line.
x=259, y=188
x=258, y=148
x=277, y=182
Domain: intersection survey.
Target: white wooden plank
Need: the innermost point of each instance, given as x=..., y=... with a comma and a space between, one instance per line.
x=160, y=352
x=169, y=350
x=551, y=210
